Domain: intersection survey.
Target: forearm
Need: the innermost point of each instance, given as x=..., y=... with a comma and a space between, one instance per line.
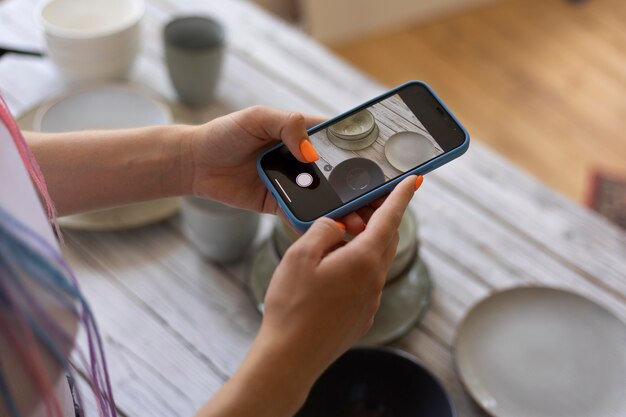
x=271, y=382
x=97, y=169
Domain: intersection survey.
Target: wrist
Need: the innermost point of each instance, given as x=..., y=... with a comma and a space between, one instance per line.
x=277, y=375
x=185, y=137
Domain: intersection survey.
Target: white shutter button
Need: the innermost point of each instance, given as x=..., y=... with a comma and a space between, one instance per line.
x=304, y=179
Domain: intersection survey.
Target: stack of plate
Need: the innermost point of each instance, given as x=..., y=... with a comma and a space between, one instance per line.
x=354, y=132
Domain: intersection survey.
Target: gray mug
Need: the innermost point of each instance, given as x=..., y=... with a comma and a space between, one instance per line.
x=194, y=50
x=219, y=232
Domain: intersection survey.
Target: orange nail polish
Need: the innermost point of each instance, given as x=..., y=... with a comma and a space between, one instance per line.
x=341, y=225
x=308, y=151
x=419, y=181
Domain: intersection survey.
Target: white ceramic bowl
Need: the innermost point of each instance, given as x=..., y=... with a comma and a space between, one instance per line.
x=92, y=40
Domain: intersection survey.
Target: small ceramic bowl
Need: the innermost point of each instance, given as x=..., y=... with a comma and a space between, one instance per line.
x=353, y=144
x=354, y=127
x=377, y=382
x=92, y=40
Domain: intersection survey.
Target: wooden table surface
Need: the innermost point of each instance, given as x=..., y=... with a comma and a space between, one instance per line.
x=176, y=326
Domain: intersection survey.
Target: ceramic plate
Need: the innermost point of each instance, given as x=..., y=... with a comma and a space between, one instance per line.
x=407, y=150
x=537, y=352
x=354, y=177
x=108, y=107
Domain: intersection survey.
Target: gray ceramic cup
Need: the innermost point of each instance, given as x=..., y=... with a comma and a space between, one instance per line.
x=194, y=51
x=219, y=232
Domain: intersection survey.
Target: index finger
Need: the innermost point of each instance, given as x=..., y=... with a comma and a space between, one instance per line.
x=386, y=219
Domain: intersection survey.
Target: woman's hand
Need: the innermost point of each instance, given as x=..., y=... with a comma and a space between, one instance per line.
x=225, y=150
x=324, y=294
x=90, y=170
x=224, y=153
x=321, y=300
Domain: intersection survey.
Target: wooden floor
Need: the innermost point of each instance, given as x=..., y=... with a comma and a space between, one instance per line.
x=541, y=81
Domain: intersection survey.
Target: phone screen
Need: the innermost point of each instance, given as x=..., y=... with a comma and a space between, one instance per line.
x=363, y=150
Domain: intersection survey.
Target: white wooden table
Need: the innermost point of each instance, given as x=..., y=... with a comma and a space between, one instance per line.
x=176, y=326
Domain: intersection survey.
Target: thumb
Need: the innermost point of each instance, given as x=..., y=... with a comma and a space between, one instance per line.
x=294, y=135
x=324, y=235
x=290, y=128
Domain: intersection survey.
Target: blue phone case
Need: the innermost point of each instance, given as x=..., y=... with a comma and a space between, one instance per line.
x=382, y=190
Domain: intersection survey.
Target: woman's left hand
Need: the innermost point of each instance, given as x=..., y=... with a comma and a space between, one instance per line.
x=224, y=153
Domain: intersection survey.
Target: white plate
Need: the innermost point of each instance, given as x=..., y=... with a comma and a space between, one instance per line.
x=407, y=150
x=112, y=106
x=539, y=352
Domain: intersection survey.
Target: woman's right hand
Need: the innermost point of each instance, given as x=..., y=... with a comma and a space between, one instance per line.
x=324, y=294
x=321, y=300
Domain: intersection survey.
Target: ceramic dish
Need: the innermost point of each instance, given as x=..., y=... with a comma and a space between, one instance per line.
x=536, y=352
x=92, y=40
x=354, y=145
x=354, y=127
x=407, y=150
x=108, y=107
x=354, y=177
x=377, y=382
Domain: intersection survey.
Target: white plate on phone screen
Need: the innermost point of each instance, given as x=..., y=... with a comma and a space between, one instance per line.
x=113, y=106
x=407, y=150
x=539, y=352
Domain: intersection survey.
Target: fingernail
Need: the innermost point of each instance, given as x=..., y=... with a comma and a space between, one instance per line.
x=341, y=225
x=418, y=182
x=308, y=151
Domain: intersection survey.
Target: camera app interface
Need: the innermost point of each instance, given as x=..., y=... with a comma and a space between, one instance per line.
x=371, y=147
x=357, y=154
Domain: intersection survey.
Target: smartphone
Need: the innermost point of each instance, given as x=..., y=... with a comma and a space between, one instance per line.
x=364, y=153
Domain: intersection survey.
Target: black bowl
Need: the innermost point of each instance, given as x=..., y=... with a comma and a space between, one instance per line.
x=377, y=382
